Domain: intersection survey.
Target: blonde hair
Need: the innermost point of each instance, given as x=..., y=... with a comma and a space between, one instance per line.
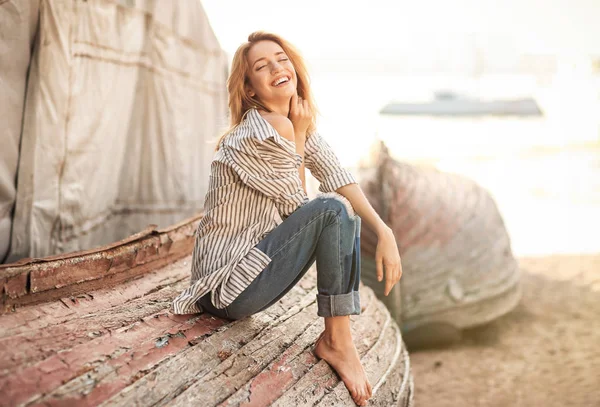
x=240, y=102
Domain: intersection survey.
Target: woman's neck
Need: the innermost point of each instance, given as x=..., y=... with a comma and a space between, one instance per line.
x=281, y=108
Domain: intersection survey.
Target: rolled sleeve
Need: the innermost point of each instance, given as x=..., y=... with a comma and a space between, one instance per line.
x=324, y=165
x=271, y=170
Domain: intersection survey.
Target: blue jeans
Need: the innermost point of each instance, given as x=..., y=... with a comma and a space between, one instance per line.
x=321, y=229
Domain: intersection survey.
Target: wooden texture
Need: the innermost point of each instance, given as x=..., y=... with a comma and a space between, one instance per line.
x=456, y=257
x=31, y=281
x=120, y=345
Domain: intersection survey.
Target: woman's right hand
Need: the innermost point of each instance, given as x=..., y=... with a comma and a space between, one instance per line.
x=387, y=256
x=299, y=116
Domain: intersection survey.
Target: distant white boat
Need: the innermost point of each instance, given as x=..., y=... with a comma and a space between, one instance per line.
x=451, y=104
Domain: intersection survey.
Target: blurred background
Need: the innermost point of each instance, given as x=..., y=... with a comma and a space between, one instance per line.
x=542, y=168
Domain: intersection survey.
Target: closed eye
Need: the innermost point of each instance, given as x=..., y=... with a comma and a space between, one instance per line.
x=281, y=60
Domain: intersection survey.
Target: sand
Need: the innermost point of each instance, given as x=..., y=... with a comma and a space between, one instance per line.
x=546, y=352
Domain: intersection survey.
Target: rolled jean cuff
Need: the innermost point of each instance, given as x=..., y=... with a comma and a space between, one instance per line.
x=338, y=305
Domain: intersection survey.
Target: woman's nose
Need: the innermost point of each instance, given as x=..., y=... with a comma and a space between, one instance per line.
x=276, y=67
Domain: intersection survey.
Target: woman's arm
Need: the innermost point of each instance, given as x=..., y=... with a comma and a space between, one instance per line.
x=363, y=208
x=386, y=255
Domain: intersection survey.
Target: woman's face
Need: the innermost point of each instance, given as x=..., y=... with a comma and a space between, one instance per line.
x=272, y=75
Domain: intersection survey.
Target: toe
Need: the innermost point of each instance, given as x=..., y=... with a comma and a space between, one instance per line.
x=358, y=398
x=361, y=399
x=367, y=392
x=355, y=394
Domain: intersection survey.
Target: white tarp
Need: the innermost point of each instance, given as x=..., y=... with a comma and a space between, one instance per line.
x=18, y=24
x=124, y=103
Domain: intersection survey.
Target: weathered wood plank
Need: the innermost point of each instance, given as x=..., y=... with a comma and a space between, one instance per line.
x=238, y=369
x=130, y=347
x=134, y=356
x=33, y=281
x=31, y=346
x=28, y=380
x=281, y=373
x=175, y=375
x=35, y=317
x=121, y=361
x=271, y=382
x=15, y=286
x=389, y=393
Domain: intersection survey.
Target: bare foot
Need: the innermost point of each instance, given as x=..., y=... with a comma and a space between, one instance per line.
x=343, y=357
x=319, y=339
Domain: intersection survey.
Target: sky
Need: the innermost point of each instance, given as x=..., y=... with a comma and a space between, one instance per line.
x=354, y=29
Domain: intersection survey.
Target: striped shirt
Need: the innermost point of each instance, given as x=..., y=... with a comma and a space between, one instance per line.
x=254, y=184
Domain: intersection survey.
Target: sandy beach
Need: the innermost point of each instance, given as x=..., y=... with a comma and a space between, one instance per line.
x=546, y=352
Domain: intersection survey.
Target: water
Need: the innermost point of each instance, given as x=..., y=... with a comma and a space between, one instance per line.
x=544, y=173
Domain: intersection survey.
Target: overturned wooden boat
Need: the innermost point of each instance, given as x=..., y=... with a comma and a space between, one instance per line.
x=94, y=328
x=458, y=267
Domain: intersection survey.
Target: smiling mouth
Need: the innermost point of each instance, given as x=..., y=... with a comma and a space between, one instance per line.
x=281, y=81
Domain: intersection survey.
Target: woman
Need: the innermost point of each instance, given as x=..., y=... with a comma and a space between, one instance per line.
x=260, y=233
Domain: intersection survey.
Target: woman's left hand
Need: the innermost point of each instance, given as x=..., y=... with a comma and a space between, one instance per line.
x=300, y=116
x=388, y=257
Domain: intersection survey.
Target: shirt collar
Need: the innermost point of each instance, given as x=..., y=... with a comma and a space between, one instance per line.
x=262, y=128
